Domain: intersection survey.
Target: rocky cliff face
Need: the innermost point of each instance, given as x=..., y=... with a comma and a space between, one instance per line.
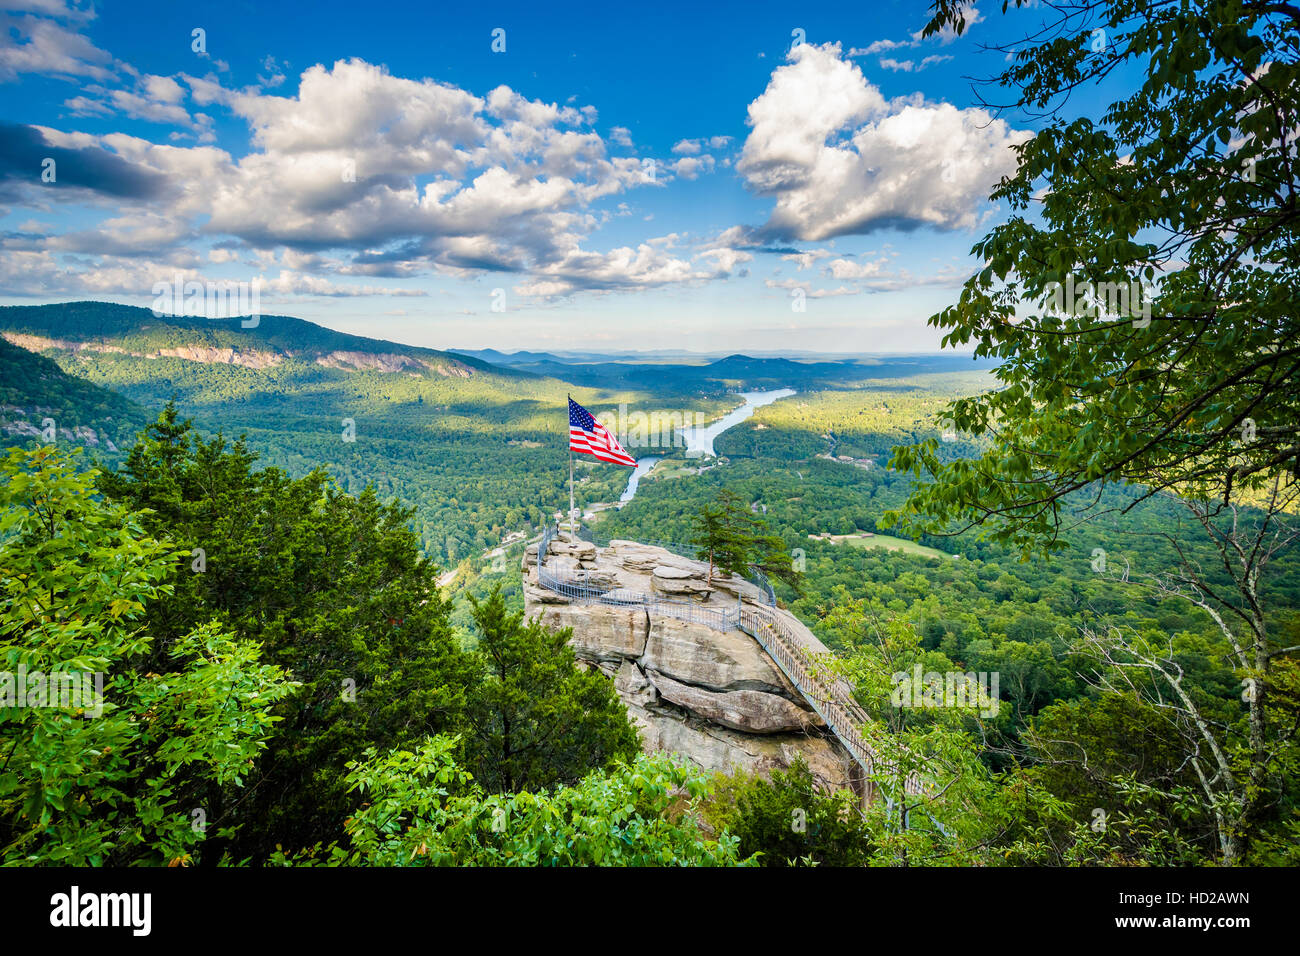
x=712, y=696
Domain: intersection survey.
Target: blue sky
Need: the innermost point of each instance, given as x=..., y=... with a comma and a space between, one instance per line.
x=682, y=176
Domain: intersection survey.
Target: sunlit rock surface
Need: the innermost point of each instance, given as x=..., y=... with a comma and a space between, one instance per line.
x=715, y=697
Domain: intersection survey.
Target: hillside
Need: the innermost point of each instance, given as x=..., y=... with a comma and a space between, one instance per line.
x=477, y=449
x=33, y=390
x=110, y=328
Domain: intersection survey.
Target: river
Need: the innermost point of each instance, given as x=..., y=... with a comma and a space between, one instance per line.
x=699, y=440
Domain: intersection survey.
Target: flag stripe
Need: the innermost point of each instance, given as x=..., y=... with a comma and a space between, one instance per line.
x=590, y=437
x=579, y=441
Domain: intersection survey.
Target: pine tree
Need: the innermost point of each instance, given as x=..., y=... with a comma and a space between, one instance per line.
x=722, y=534
x=734, y=541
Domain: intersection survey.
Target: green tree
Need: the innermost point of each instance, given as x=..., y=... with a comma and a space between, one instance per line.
x=1121, y=765
x=1146, y=326
x=1188, y=186
x=733, y=540
x=722, y=534
x=537, y=717
x=334, y=588
x=932, y=795
x=422, y=809
x=788, y=821
x=125, y=779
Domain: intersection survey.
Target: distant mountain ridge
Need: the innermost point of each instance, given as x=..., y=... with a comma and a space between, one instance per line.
x=475, y=448
x=714, y=376
x=137, y=331
x=686, y=357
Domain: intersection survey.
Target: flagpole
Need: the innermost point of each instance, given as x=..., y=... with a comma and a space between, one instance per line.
x=571, y=528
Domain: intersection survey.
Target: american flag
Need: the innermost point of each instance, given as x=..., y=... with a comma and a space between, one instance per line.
x=592, y=438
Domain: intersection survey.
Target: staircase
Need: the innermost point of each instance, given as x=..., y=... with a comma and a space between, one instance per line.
x=831, y=699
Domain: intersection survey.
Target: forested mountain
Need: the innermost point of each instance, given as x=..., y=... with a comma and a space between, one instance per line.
x=477, y=449
x=37, y=396
x=138, y=332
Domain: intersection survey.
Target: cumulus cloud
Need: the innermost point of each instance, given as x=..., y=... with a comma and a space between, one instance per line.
x=839, y=159
x=44, y=36
x=905, y=66
x=157, y=99
x=291, y=283
x=864, y=275
x=808, y=290
x=878, y=46
x=728, y=251
x=274, y=72
x=139, y=234
x=969, y=13
x=79, y=163
x=355, y=172
x=689, y=167
x=650, y=264
x=397, y=177
x=694, y=147
x=909, y=66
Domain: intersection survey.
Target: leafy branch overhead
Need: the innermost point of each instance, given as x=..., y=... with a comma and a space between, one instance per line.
x=1141, y=298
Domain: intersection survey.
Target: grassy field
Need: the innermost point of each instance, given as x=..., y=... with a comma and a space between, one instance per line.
x=863, y=540
x=671, y=468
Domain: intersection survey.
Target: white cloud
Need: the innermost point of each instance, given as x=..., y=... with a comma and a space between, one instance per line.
x=646, y=266
x=690, y=167
x=880, y=46
x=808, y=290
x=50, y=43
x=908, y=66
x=289, y=283
x=945, y=36
x=725, y=255
x=840, y=160
x=846, y=269
x=360, y=173
x=807, y=259
x=509, y=181
x=694, y=147
x=274, y=71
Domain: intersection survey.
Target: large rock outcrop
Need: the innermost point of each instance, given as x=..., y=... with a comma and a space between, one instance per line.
x=711, y=695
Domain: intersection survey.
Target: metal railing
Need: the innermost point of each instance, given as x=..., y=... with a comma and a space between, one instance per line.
x=833, y=699
x=586, y=588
